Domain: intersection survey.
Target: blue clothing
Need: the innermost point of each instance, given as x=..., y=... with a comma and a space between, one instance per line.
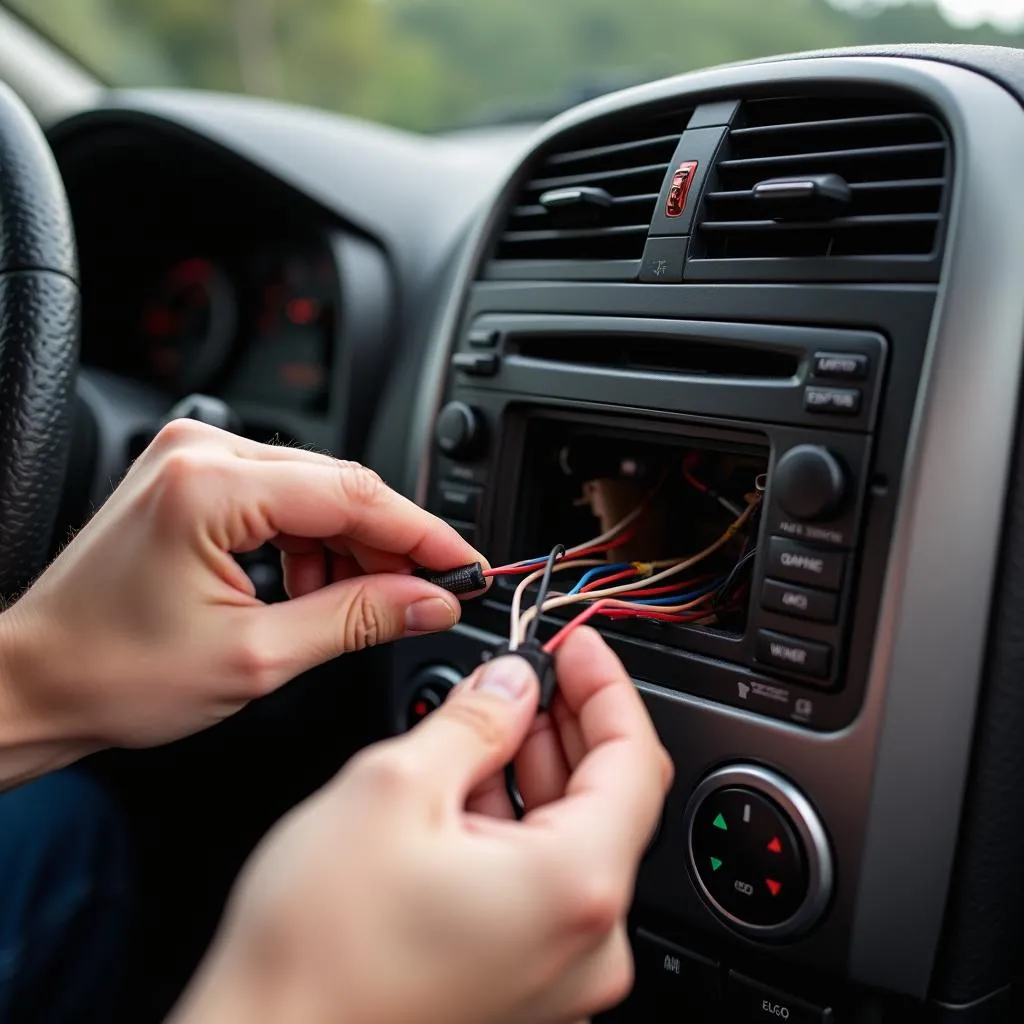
x=65, y=901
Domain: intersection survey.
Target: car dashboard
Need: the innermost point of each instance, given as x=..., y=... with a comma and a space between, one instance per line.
x=792, y=285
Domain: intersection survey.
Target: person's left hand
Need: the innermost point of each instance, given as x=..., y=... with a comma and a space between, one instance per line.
x=146, y=629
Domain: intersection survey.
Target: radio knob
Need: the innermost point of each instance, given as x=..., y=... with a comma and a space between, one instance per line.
x=460, y=431
x=809, y=483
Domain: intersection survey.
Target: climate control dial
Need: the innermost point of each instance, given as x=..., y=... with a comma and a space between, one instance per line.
x=758, y=852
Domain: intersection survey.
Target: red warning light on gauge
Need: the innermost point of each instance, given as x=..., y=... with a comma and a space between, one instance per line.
x=302, y=311
x=775, y=846
x=677, y=194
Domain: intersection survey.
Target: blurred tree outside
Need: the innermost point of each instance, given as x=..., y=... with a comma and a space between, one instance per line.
x=429, y=64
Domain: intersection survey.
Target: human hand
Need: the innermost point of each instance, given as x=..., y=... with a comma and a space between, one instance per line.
x=145, y=629
x=405, y=892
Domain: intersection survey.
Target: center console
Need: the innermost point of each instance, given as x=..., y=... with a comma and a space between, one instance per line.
x=795, y=406
x=785, y=278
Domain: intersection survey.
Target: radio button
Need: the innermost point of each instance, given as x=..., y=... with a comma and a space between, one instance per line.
x=805, y=657
x=796, y=563
x=458, y=502
x=841, y=365
x=833, y=401
x=757, y=1002
x=799, y=602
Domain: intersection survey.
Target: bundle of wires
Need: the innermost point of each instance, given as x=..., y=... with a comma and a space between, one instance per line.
x=626, y=589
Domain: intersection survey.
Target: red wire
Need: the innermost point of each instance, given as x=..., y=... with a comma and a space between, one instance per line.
x=511, y=570
x=604, y=581
x=521, y=570
x=671, y=588
x=617, y=541
x=689, y=463
x=606, y=607
x=563, y=634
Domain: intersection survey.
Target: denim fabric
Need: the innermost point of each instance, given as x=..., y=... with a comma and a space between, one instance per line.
x=65, y=902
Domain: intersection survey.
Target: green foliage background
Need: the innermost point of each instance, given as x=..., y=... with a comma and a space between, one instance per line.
x=428, y=64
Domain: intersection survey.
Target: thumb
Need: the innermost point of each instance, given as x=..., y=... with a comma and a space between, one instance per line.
x=351, y=615
x=479, y=728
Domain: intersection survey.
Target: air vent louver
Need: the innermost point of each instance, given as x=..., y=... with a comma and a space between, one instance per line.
x=884, y=164
x=588, y=204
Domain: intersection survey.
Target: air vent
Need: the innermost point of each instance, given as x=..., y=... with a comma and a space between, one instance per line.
x=587, y=206
x=849, y=188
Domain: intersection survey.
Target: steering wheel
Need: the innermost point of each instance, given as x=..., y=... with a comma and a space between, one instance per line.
x=39, y=334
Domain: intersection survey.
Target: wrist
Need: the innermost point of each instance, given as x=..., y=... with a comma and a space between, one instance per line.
x=234, y=987
x=33, y=736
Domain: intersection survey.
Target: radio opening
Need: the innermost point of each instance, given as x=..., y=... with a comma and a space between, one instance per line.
x=674, y=518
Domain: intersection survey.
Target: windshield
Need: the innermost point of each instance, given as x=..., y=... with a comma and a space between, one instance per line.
x=435, y=64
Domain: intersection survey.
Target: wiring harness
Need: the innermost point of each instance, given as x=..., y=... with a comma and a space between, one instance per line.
x=665, y=590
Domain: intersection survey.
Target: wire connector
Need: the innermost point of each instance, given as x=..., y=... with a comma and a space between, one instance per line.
x=464, y=579
x=542, y=663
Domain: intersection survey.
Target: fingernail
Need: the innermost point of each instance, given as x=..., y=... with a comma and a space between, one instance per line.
x=508, y=678
x=430, y=615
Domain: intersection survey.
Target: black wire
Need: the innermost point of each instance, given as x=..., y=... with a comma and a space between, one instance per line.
x=734, y=575
x=542, y=591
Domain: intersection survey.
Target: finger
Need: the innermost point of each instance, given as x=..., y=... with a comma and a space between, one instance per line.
x=568, y=731
x=371, y=559
x=491, y=799
x=541, y=768
x=323, y=500
x=615, y=796
x=344, y=567
x=289, y=545
x=298, y=635
x=304, y=573
x=478, y=729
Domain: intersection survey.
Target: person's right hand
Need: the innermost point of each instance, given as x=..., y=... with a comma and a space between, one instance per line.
x=406, y=893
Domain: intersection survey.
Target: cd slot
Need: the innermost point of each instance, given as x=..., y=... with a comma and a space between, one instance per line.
x=654, y=353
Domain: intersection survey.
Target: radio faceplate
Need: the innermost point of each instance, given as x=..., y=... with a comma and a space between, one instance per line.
x=788, y=654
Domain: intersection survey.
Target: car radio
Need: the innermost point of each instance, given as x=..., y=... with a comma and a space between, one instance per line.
x=556, y=426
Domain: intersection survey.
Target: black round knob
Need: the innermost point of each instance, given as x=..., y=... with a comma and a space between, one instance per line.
x=460, y=431
x=809, y=483
x=430, y=689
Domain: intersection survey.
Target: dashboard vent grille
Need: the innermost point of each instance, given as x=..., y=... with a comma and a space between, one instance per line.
x=833, y=179
x=590, y=200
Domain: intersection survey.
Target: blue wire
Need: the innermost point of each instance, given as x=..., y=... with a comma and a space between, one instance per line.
x=599, y=571
x=678, y=598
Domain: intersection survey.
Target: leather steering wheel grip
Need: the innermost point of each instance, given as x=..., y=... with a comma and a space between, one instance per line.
x=39, y=336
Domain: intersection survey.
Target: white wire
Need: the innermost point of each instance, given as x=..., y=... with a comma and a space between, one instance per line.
x=640, y=584
x=610, y=534
x=524, y=583
x=729, y=506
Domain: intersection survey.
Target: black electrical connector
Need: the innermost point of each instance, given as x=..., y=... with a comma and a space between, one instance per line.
x=542, y=663
x=464, y=579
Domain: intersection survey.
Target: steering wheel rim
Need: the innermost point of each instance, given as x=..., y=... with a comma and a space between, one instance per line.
x=39, y=337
